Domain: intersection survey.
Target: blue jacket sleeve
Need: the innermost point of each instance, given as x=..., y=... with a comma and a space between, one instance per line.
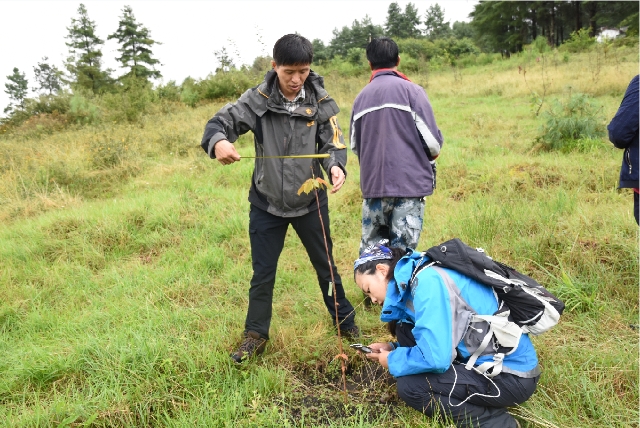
x=623, y=128
x=432, y=331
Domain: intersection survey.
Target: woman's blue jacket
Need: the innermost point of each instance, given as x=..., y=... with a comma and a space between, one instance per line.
x=430, y=306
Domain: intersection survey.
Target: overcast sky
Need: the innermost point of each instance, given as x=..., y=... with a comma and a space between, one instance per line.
x=190, y=31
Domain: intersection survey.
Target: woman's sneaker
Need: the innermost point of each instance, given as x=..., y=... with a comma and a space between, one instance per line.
x=252, y=345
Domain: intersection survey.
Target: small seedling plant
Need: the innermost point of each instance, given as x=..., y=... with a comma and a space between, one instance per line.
x=313, y=184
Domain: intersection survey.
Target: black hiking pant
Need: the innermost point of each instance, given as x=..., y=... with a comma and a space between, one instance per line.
x=442, y=393
x=267, y=233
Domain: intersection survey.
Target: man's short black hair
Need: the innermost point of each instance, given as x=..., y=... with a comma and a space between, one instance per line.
x=293, y=49
x=382, y=52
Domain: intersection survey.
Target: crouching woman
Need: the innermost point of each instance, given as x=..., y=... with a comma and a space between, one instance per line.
x=431, y=309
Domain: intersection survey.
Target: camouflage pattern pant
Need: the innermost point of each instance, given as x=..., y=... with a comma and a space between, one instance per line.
x=397, y=219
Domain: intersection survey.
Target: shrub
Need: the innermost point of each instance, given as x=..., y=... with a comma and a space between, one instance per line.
x=575, y=125
x=580, y=41
x=59, y=104
x=467, y=61
x=107, y=152
x=438, y=62
x=131, y=101
x=190, y=96
x=39, y=113
x=541, y=45
x=409, y=64
x=83, y=110
x=262, y=64
x=231, y=84
x=485, y=58
x=169, y=92
x=458, y=47
x=357, y=56
x=343, y=68
x=41, y=124
x=630, y=40
x=427, y=49
x=417, y=48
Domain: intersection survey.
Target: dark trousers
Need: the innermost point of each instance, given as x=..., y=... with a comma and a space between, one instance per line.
x=267, y=233
x=442, y=393
x=635, y=206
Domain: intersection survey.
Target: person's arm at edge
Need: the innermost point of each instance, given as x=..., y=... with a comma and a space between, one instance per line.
x=624, y=125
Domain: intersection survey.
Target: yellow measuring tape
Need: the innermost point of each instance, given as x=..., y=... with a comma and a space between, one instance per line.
x=323, y=155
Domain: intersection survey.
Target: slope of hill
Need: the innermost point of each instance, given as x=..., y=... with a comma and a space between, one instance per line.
x=124, y=262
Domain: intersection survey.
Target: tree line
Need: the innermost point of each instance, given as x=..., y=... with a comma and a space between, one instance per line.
x=509, y=25
x=84, y=65
x=495, y=26
x=399, y=25
x=425, y=39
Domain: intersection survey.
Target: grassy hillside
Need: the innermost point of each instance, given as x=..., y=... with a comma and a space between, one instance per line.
x=125, y=263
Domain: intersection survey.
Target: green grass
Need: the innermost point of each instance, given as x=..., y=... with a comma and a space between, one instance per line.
x=124, y=278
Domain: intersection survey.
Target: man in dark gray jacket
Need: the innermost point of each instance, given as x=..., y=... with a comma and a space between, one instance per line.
x=290, y=114
x=395, y=136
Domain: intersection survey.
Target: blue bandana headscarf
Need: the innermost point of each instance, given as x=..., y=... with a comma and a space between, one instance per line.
x=378, y=251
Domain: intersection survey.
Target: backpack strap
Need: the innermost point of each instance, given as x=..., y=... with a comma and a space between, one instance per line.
x=496, y=365
x=507, y=334
x=460, y=309
x=483, y=345
x=512, y=281
x=420, y=266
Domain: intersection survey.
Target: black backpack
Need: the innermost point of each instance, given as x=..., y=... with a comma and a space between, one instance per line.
x=531, y=306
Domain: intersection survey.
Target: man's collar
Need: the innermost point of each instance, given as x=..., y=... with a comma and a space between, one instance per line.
x=375, y=73
x=299, y=96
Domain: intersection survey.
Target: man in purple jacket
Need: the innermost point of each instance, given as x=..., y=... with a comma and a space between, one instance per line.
x=395, y=136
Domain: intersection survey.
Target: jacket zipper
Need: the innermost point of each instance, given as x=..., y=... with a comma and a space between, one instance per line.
x=627, y=157
x=288, y=121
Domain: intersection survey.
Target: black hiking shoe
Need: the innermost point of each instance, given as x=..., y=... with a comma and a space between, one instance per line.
x=350, y=333
x=252, y=345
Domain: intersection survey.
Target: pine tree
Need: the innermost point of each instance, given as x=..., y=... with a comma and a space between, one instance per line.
x=47, y=77
x=85, y=60
x=136, y=44
x=401, y=25
x=462, y=29
x=412, y=21
x=356, y=36
x=16, y=88
x=394, y=24
x=320, y=51
x=224, y=60
x=435, y=27
x=363, y=31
